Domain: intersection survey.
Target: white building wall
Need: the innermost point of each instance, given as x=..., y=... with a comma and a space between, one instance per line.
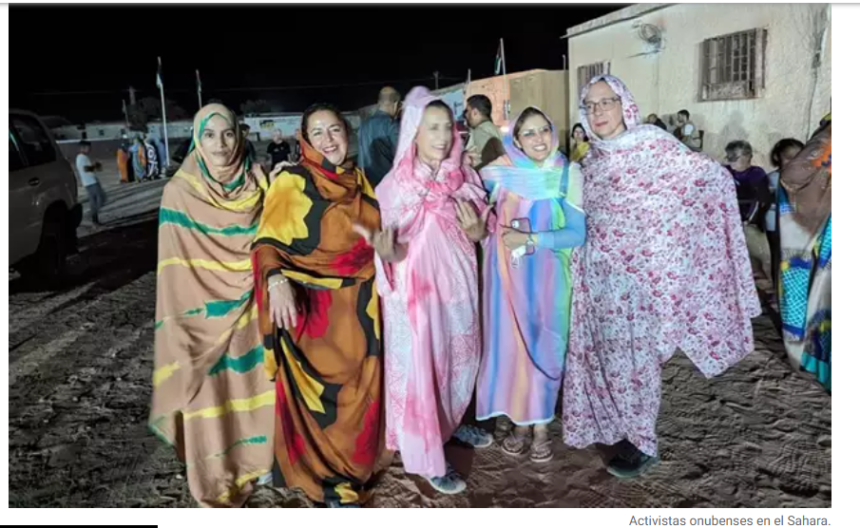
x=795, y=98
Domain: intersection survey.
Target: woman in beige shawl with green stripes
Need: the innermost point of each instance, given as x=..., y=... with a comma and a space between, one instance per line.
x=212, y=399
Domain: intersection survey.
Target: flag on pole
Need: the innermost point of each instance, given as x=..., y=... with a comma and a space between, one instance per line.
x=199, y=84
x=499, y=58
x=158, y=76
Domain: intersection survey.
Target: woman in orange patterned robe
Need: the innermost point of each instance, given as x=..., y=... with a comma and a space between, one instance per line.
x=315, y=276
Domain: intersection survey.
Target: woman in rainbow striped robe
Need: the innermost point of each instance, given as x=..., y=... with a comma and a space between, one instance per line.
x=212, y=400
x=527, y=286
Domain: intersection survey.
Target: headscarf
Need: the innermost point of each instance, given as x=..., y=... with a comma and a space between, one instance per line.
x=411, y=188
x=520, y=174
x=665, y=219
x=806, y=180
x=225, y=181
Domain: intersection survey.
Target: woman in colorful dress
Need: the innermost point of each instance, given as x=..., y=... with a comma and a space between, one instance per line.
x=439, y=211
x=804, y=225
x=212, y=399
x=138, y=159
x=537, y=198
x=315, y=285
x=664, y=267
x=784, y=151
x=580, y=143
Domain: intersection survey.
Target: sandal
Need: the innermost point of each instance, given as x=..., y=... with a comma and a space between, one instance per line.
x=450, y=484
x=541, y=450
x=514, y=444
x=474, y=436
x=504, y=426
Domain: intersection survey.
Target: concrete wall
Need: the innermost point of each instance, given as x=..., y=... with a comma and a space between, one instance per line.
x=795, y=97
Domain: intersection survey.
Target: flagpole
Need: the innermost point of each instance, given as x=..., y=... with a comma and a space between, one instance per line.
x=163, y=111
x=505, y=77
x=199, y=91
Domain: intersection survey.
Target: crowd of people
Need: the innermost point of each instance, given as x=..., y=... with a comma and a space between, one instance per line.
x=313, y=315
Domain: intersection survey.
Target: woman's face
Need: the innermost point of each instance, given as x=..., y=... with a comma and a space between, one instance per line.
x=603, y=108
x=578, y=135
x=787, y=155
x=435, y=135
x=535, y=137
x=328, y=136
x=218, y=140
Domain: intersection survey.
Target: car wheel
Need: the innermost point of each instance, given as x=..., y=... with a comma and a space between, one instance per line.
x=49, y=261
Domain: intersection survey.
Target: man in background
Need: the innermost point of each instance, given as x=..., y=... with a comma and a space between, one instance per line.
x=278, y=150
x=377, y=137
x=686, y=131
x=485, y=141
x=87, y=173
x=249, y=145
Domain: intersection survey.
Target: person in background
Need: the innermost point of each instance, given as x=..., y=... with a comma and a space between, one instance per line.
x=580, y=143
x=485, y=141
x=153, y=168
x=212, y=398
x=138, y=159
x=279, y=149
x=87, y=172
x=753, y=200
x=686, y=131
x=805, y=208
x=122, y=161
x=438, y=208
x=537, y=196
x=161, y=151
x=664, y=268
x=249, y=145
x=653, y=119
x=784, y=151
x=377, y=137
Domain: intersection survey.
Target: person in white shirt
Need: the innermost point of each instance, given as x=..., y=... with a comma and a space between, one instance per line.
x=686, y=131
x=87, y=172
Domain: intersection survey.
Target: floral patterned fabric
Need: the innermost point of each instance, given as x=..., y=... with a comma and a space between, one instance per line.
x=327, y=370
x=664, y=267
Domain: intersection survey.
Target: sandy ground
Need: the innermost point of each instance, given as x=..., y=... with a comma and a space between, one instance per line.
x=81, y=361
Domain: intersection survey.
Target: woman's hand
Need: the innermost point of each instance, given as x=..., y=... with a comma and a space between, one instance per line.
x=282, y=303
x=471, y=157
x=382, y=241
x=474, y=225
x=282, y=166
x=512, y=239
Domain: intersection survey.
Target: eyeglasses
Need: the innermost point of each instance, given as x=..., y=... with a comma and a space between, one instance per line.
x=604, y=104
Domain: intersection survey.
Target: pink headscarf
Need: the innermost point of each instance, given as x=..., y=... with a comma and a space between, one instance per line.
x=411, y=188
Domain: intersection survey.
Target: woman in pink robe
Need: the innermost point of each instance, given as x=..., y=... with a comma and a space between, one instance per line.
x=439, y=210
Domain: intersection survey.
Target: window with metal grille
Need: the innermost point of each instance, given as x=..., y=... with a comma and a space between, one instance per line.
x=588, y=72
x=733, y=66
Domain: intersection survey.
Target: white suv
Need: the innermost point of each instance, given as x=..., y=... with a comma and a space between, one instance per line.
x=44, y=213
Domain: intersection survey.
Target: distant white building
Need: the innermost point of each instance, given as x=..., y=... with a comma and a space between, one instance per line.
x=759, y=72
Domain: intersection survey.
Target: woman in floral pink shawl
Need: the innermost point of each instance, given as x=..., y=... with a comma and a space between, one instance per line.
x=430, y=298
x=664, y=267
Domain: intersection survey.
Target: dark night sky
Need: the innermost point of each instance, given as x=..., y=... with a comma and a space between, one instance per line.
x=258, y=52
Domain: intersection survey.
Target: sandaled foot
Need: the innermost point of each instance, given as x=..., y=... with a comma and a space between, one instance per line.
x=504, y=425
x=474, y=436
x=515, y=444
x=541, y=450
x=627, y=467
x=450, y=484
